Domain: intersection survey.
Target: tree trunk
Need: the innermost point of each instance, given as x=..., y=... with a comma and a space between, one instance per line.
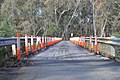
x=94, y=19
x=102, y=32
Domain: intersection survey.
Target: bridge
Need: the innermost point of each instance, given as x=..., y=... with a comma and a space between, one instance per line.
x=50, y=58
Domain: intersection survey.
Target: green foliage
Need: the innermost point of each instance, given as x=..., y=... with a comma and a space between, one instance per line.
x=51, y=30
x=6, y=28
x=45, y=9
x=117, y=34
x=26, y=10
x=5, y=51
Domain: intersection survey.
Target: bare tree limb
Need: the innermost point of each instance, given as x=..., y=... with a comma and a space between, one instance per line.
x=117, y=3
x=62, y=14
x=38, y=31
x=103, y=29
x=57, y=21
x=66, y=27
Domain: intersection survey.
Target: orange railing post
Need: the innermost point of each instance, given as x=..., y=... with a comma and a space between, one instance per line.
x=42, y=43
x=45, y=44
x=96, y=50
x=47, y=41
x=37, y=43
x=80, y=41
x=18, y=46
x=90, y=46
x=26, y=44
x=32, y=44
x=84, y=44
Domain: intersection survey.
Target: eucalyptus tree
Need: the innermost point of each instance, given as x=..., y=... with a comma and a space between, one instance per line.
x=61, y=17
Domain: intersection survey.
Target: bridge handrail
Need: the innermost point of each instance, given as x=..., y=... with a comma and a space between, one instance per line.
x=107, y=40
x=12, y=40
x=32, y=44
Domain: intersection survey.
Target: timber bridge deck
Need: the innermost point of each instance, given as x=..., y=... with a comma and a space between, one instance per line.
x=65, y=61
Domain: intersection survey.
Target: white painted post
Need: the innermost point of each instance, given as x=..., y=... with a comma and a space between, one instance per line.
x=18, y=46
x=14, y=49
x=32, y=45
x=26, y=44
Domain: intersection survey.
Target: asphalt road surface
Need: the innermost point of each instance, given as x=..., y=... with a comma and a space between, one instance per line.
x=64, y=61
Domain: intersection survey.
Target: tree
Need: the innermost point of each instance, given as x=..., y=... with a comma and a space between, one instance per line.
x=81, y=17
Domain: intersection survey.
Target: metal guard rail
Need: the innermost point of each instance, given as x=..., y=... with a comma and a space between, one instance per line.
x=92, y=44
x=106, y=40
x=13, y=40
x=36, y=44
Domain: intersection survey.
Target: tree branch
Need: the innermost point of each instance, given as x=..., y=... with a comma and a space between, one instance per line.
x=102, y=32
x=38, y=31
x=66, y=27
x=62, y=14
x=58, y=20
